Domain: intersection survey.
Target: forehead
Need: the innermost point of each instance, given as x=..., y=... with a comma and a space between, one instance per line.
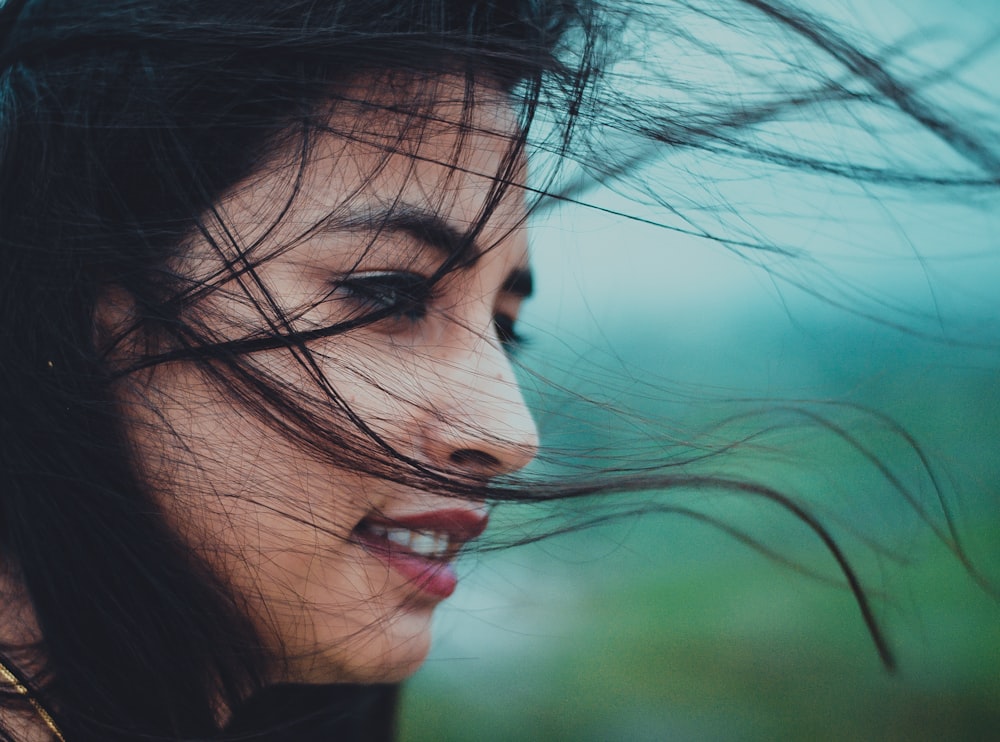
x=405, y=112
x=436, y=146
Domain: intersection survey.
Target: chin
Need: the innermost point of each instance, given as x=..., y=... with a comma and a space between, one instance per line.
x=387, y=656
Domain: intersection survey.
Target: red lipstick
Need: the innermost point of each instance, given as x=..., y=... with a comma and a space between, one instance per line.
x=421, y=546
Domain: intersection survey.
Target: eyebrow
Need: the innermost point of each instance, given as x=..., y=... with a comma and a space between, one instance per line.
x=430, y=228
x=420, y=223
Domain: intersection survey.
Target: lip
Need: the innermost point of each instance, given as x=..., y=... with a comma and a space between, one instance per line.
x=434, y=576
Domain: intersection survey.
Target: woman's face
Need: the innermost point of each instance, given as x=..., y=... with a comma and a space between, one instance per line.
x=342, y=570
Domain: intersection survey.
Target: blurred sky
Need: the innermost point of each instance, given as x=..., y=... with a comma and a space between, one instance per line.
x=928, y=261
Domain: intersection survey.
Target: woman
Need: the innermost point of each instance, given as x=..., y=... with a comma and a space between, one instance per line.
x=263, y=264
x=278, y=339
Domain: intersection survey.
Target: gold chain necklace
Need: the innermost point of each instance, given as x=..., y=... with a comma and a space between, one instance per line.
x=11, y=679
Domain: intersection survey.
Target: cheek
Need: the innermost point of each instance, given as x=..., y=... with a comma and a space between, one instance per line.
x=275, y=524
x=258, y=509
x=399, y=383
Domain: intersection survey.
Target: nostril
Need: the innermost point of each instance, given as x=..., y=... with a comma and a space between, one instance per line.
x=471, y=458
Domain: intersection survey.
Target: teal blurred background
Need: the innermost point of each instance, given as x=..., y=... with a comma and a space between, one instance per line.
x=659, y=627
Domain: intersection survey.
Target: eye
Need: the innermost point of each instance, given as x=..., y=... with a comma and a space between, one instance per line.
x=509, y=337
x=391, y=294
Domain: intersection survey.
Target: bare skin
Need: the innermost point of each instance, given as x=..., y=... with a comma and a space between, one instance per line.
x=282, y=525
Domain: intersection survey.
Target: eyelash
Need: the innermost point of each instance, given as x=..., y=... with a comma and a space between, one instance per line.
x=395, y=294
x=510, y=338
x=402, y=295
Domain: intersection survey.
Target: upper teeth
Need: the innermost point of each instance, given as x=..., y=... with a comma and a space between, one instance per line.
x=426, y=544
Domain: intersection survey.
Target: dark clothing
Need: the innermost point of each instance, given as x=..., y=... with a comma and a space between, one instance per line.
x=317, y=713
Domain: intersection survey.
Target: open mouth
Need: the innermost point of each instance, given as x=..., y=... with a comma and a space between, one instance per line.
x=425, y=544
x=420, y=547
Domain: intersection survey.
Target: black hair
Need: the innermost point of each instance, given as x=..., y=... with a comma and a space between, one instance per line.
x=125, y=123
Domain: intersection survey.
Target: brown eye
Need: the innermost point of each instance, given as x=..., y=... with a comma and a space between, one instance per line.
x=392, y=294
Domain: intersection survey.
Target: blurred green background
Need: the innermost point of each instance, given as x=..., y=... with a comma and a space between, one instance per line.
x=659, y=627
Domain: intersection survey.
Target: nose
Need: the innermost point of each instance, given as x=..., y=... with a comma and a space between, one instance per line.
x=477, y=422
